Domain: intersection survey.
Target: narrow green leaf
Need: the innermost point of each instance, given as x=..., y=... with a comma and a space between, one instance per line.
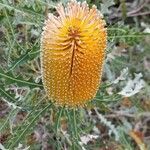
x=28, y=56
x=10, y=79
x=59, y=114
x=29, y=123
x=7, y=95
x=72, y=118
x=25, y=11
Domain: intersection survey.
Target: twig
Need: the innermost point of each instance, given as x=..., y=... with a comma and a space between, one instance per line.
x=138, y=140
x=139, y=14
x=139, y=7
x=134, y=12
x=125, y=114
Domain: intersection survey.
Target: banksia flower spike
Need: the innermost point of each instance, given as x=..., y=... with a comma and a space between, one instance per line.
x=72, y=54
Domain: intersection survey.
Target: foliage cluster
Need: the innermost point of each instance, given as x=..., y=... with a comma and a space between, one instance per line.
x=114, y=121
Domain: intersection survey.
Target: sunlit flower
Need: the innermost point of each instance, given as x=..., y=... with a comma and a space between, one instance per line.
x=73, y=50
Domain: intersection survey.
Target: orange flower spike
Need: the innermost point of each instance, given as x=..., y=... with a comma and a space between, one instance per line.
x=73, y=50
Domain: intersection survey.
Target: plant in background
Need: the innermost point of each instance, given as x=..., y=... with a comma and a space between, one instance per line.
x=73, y=49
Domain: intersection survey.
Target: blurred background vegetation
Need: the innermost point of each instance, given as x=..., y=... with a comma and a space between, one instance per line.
x=119, y=116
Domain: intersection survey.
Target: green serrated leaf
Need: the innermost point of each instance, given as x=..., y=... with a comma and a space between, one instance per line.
x=28, y=56
x=25, y=10
x=105, y=6
x=126, y=35
x=7, y=95
x=10, y=79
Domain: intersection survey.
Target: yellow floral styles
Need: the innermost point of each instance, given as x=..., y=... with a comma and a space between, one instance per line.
x=72, y=54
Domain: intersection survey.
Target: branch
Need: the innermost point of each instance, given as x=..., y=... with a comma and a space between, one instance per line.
x=139, y=14
x=125, y=114
x=139, y=7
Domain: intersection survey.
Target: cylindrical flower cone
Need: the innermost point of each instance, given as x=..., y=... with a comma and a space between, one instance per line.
x=72, y=54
